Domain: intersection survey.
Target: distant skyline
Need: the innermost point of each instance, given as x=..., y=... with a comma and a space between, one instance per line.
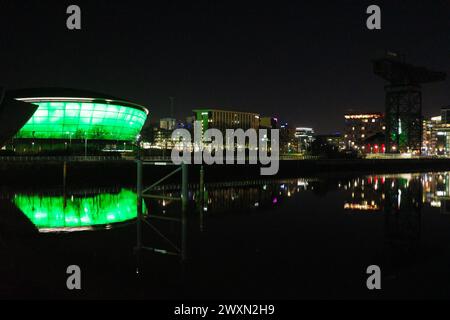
x=306, y=62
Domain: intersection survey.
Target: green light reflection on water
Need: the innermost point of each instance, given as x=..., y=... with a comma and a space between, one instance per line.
x=55, y=212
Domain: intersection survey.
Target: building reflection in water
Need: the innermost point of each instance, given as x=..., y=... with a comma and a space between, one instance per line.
x=373, y=193
x=392, y=194
x=238, y=197
x=401, y=199
x=398, y=199
x=389, y=193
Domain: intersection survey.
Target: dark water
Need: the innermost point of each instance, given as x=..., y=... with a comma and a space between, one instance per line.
x=292, y=239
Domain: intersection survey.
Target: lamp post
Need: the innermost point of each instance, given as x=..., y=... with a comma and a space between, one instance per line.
x=138, y=145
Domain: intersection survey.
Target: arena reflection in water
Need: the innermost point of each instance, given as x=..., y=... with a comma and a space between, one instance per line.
x=77, y=212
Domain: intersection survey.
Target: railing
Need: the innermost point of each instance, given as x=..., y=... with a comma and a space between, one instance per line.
x=402, y=156
x=59, y=158
x=298, y=157
x=281, y=157
x=169, y=160
x=150, y=158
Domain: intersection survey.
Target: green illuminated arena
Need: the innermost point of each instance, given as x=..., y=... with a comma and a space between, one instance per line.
x=61, y=121
x=83, y=118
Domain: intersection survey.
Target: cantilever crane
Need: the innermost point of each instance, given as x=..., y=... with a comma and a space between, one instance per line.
x=404, y=102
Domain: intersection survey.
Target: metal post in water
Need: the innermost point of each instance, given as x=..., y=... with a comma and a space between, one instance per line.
x=201, y=196
x=139, y=205
x=64, y=174
x=202, y=184
x=184, y=204
x=64, y=184
x=184, y=186
x=85, y=148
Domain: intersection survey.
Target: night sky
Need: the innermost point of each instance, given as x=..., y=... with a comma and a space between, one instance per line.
x=307, y=62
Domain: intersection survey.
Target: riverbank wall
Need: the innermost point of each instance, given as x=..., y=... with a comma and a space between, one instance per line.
x=123, y=172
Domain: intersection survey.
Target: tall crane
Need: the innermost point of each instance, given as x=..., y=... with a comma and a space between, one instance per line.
x=404, y=101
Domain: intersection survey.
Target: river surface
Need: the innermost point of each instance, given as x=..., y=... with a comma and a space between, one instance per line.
x=281, y=239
